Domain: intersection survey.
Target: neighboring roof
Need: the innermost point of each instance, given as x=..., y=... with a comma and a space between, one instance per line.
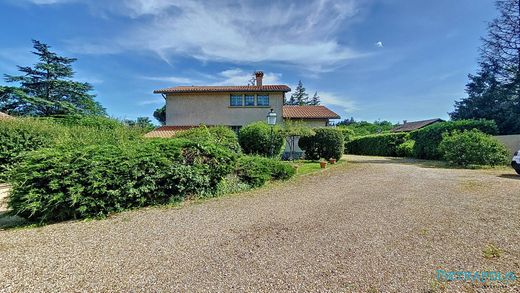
x=308, y=112
x=218, y=89
x=414, y=125
x=5, y=116
x=167, y=131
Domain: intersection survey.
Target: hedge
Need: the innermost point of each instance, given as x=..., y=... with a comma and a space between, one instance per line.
x=90, y=181
x=427, y=139
x=256, y=171
x=472, y=147
x=20, y=135
x=255, y=139
x=385, y=144
x=326, y=143
x=219, y=135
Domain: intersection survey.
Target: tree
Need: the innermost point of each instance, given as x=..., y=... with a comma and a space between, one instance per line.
x=494, y=92
x=160, y=115
x=142, y=122
x=252, y=79
x=299, y=97
x=315, y=101
x=47, y=88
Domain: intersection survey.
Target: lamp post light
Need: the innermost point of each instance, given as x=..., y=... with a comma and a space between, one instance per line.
x=271, y=120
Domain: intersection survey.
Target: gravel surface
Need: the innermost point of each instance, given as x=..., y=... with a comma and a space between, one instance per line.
x=370, y=225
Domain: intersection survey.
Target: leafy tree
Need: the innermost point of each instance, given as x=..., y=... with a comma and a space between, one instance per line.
x=299, y=97
x=160, y=115
x=315, y=101
x=142, y=122
x=494, y=92
x=47, y=88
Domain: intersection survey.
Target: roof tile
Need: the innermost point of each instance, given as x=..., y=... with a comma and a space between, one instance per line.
x=213, y=89
x=308, y=112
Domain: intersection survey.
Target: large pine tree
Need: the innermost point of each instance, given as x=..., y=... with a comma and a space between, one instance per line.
x=47, y=88
x=494, y=92
x=315, y=101
x=299, y=97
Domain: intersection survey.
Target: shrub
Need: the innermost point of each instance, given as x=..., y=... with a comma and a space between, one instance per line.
x=326, y=143
x=255, y=139
x=427, y=139
x=219, y=135
x=348, y=134
x=405, y=149
x=256, y=171
x=385, y=144
x=20, y=135
x=89, y=181
x=473, y=147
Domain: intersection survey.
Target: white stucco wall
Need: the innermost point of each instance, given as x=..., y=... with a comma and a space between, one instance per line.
x=214, y=109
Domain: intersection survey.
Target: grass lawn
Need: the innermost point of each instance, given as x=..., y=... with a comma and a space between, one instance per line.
x=307, y=166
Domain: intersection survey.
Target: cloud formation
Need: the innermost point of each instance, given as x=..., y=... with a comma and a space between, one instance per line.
x=379, y=44
x=304, y=34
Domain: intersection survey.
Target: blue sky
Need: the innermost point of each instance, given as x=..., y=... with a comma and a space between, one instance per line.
x=371, y=59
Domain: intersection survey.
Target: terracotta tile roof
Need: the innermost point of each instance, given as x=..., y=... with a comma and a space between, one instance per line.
x=414, y=125
x=308, y=112
x=167, y=131
x=5, y=116
x=216, y=89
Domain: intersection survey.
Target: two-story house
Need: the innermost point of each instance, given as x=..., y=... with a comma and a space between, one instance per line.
x=233, y=106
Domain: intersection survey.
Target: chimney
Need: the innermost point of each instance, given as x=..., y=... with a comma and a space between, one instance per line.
x=259, y=76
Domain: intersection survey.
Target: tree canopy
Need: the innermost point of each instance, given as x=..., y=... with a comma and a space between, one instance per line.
x=494, y=91
x=47, y=88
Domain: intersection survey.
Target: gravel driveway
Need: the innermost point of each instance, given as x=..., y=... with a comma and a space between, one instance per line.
x=373, y=224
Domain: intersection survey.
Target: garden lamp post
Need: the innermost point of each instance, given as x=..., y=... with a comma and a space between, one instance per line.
x=271, y=120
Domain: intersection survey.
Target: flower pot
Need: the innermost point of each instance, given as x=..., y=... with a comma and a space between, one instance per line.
x=332, y=161
x=323, y=165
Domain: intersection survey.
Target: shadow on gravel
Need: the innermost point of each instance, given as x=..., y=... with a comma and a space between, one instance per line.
x=408, y=161
x=510, y=176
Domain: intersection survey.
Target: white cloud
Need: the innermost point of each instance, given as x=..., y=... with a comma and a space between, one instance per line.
x=155, y=101
x=237, y=76
x=343, y=102
x=174, y=79
x=304, y=34
x=379, y=44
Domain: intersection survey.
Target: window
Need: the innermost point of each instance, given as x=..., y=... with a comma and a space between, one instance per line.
x=249, y=100
x=262, y=100
x=236, y=101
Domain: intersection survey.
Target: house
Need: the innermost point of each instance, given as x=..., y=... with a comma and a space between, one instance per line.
x=233, y=106
x=414, y=125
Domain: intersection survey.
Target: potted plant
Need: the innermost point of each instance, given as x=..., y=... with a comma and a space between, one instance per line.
x=323, y=164
x=332, y=161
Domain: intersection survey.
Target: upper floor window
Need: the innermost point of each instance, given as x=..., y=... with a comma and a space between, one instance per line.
x=249, y=100
x=236, y=100
x=262, y=100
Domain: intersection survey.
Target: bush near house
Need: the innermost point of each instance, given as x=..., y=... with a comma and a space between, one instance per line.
x=405, y=149
x=256, y=170
x=385, y=144
x=219, y=135
x=326, y=143
x=255, y=139
x=89, y=181
x=472, y=147
x=18, y=136
x=427, y=139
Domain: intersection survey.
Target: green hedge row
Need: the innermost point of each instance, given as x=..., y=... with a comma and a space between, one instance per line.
x=256, y=170
x=325, y=143
x=428, y=139
x=257, y=139
x=386, y=144
x=89, y=181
